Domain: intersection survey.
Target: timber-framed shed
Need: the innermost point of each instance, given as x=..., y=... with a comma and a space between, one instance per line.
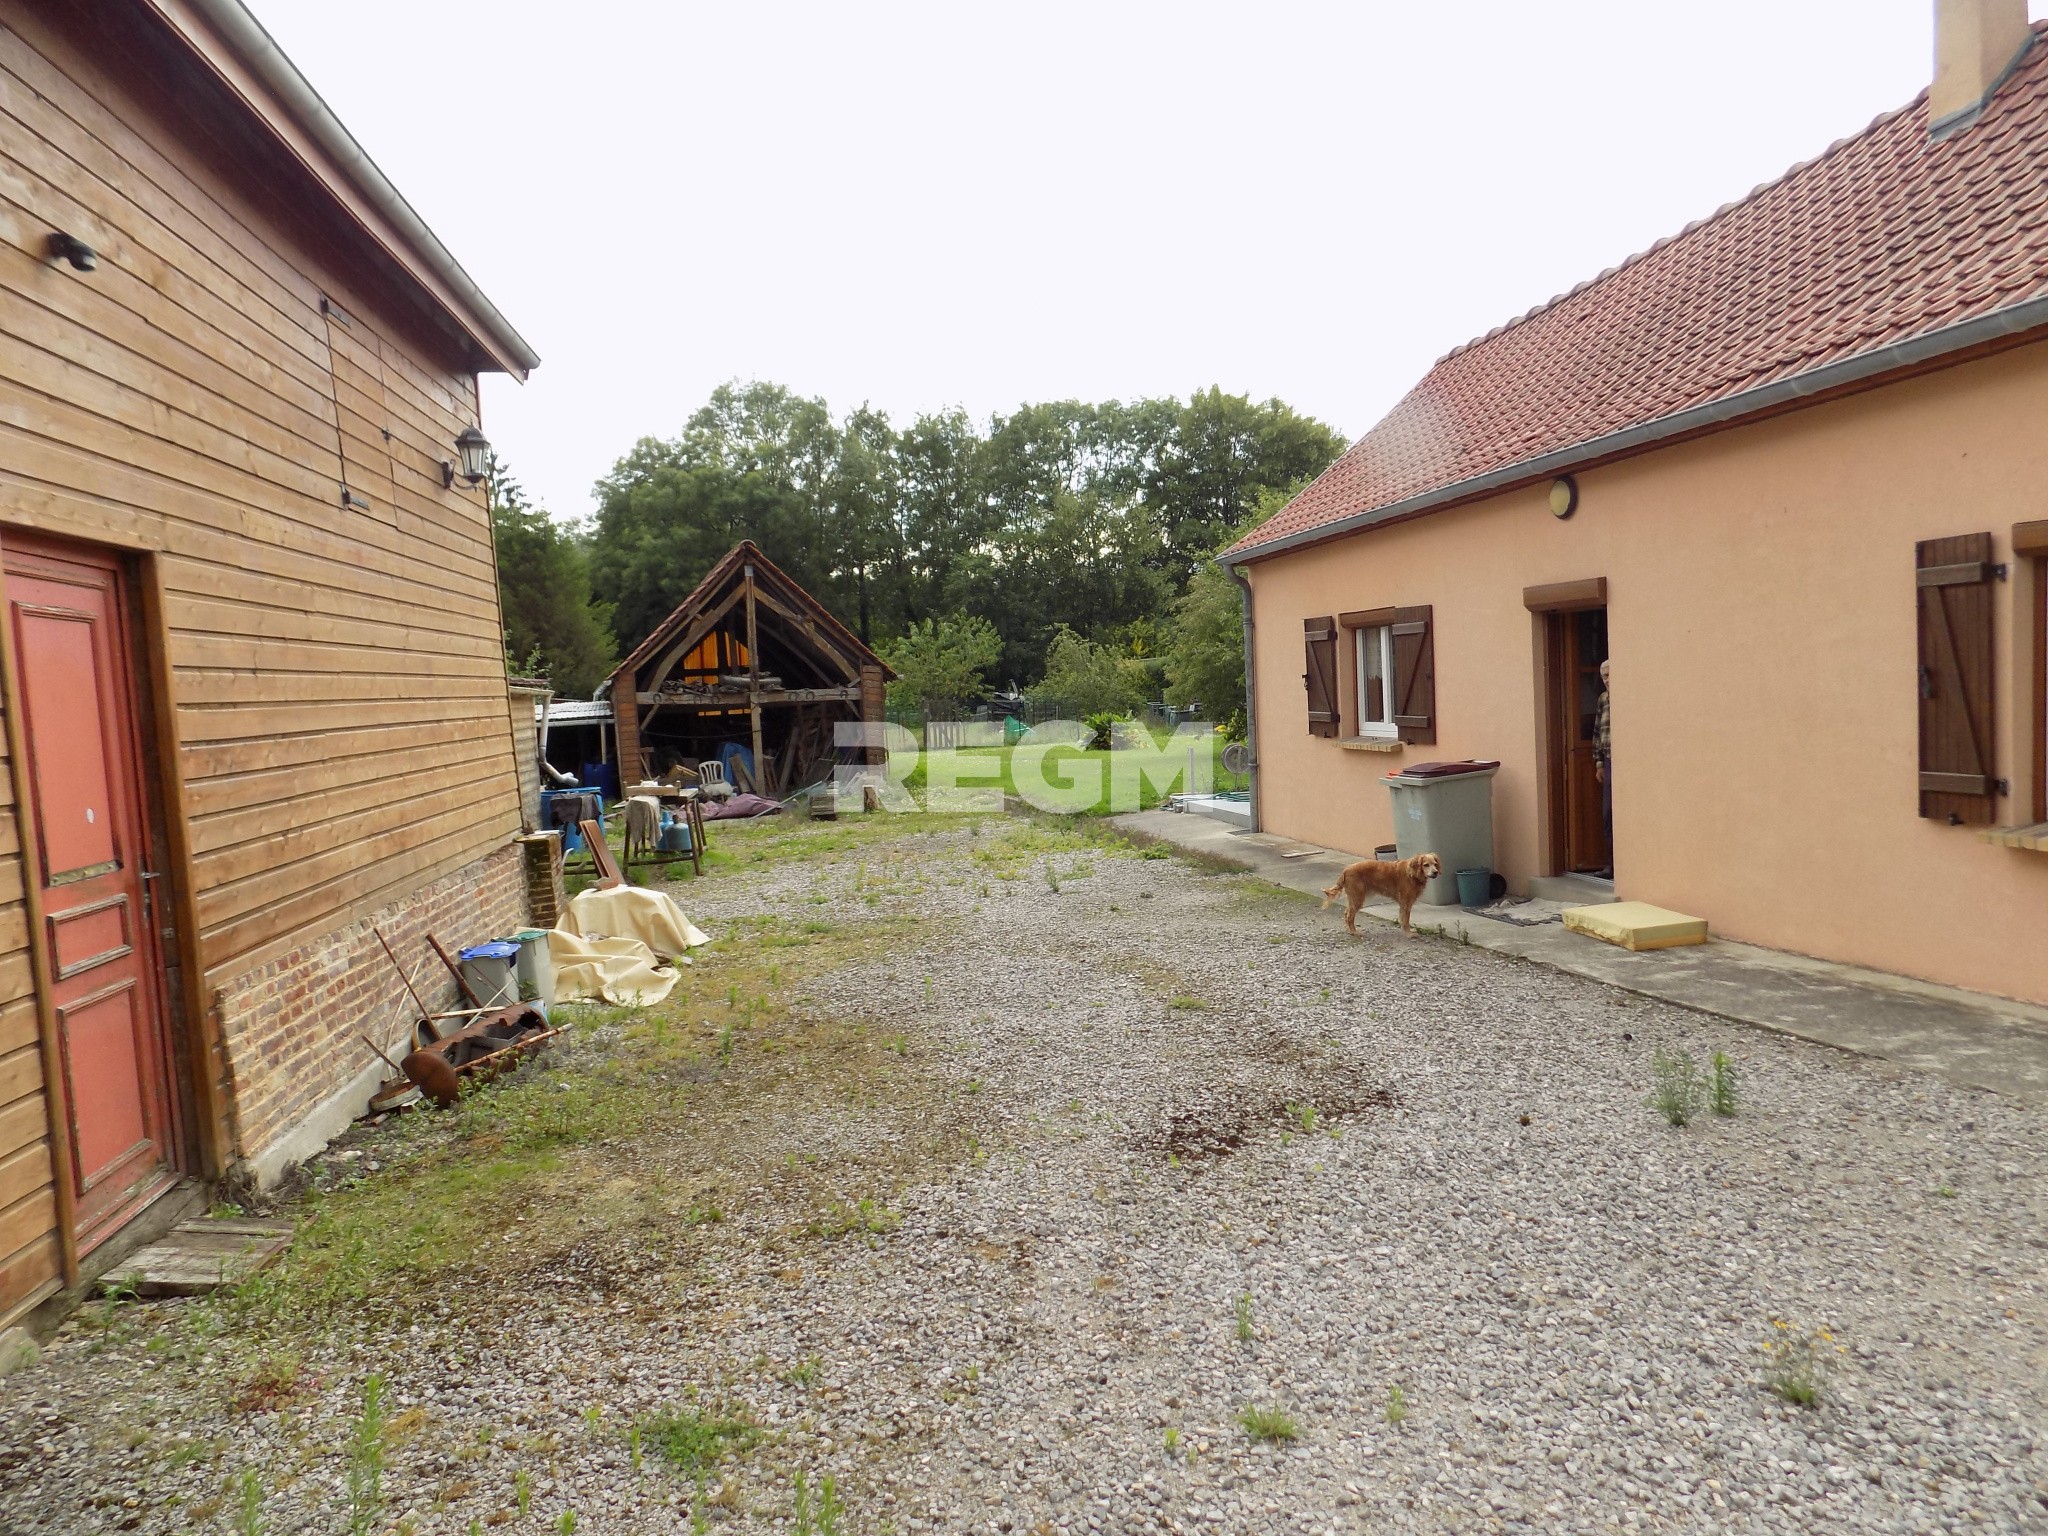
x=751, y=658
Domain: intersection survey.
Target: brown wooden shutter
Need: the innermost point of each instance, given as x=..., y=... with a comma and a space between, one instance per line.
x=1414, y=676
x=1954, y=597
x=1319, y=638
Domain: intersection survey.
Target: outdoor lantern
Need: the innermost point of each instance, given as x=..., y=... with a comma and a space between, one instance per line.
x=475, y=449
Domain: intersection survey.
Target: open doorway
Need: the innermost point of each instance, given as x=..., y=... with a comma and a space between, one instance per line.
x=1581, y=833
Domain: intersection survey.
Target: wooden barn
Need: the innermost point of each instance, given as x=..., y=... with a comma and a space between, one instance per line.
x=749, y=658
x=254, y=682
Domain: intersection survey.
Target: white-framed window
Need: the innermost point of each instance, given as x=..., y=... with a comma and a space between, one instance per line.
x=1374, y=646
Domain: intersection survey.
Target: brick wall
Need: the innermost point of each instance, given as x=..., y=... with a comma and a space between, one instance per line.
x=291, y=1028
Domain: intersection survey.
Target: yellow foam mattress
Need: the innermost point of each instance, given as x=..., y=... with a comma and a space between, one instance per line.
x=1636, y=925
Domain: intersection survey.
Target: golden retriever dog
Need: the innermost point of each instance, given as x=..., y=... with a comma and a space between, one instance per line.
x=1402, y=879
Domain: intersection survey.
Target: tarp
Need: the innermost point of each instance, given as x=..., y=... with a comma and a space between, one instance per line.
x=739, y=807
x=610, y=944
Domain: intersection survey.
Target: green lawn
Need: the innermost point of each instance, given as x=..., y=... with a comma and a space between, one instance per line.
x=1072, y=780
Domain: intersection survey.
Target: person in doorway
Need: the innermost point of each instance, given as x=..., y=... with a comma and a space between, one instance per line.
x=1603, y=758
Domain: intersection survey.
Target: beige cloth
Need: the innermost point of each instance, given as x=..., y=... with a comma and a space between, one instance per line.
x=607, y=945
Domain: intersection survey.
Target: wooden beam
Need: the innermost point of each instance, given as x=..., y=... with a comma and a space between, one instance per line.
x=847, y=695
x=1564, y=596
x=811, y=631
x=690, y=638
x=754, y=676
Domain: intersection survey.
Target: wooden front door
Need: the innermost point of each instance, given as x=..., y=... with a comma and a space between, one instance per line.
x=83, y=783
x=1578, y=646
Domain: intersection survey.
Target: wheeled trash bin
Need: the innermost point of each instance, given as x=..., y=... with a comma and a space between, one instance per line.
x=1445, y=809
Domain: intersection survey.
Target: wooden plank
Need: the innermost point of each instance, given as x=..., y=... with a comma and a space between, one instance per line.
x=25, y=1171
x=27, y=1219
x=23, y=1123
x=21, y=1073
x=326, y=893
x=2030, y=539
x=1565, y=596
x=196, y=1257
x=31, y=1270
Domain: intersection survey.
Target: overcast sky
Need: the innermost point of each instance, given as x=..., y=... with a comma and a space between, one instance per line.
x=981, y=204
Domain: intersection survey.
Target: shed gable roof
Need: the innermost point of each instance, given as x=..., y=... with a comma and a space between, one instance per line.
x=1886, y=237
x=770, y=578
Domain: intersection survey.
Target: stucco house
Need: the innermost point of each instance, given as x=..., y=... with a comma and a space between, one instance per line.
x=1788, y=470
x=254, y=683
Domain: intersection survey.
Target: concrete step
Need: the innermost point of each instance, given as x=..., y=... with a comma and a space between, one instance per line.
x=1572, y=890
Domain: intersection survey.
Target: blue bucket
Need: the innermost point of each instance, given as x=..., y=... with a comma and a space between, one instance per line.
x=1475, y=887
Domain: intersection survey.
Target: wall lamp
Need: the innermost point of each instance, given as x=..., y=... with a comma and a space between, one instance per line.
x=70, y=248
x=475, y=449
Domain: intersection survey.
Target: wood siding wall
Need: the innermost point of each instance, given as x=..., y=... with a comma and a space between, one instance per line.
x=338, y=677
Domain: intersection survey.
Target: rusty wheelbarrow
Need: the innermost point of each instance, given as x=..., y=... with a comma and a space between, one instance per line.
x=480, y=1051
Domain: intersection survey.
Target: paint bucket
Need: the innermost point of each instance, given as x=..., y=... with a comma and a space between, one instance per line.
x=488, y=970
x=534, y=966
x=1475, y=887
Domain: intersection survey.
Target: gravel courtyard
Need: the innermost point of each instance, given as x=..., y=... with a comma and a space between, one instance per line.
x=994, y=1172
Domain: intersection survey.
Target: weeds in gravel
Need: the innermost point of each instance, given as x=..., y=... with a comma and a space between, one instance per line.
x=1263, y=1423
x=1722, y=1085
x=1186, y=1004
x=633, y=1446
x=868, y=1217
x=694, y=1443
x=522, y=1490
x=1799, y=1363
x=366, y=1460
x=1243, y=1307
x=1676, y=1090
x=821, y=1518
x=1397, y=1405
x=1172, y=1443
x=1304, y=1116
x=565, y=1523
x=248, y=1503
x=804, y=1373
x=700, y=1515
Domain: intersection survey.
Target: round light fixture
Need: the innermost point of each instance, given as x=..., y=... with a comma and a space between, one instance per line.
x=1564, y=496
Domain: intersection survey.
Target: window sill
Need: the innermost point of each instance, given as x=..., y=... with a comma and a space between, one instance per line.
x=2034, y=838
x=1370, y=743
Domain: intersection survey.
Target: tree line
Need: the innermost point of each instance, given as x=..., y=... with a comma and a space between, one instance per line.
x=1061, y=536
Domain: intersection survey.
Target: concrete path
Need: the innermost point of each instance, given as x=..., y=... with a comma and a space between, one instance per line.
x=1967, y=1037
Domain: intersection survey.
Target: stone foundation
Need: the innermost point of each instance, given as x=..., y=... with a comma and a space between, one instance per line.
x=298, y=1070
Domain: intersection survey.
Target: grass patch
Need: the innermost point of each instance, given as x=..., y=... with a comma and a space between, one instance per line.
x=1676, y=1089
x=1266, y=1423
x=693, y=1443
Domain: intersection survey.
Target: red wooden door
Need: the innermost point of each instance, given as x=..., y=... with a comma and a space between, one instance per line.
x=83, y=784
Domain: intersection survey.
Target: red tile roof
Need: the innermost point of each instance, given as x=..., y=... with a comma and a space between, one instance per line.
x=1887, y=236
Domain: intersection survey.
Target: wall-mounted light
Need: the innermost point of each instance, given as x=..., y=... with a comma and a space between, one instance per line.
x=1564, y=496
x=70, y=248
x=475, y=449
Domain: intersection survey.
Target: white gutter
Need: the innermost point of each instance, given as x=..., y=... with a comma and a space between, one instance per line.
x=242, y=32
x=1929, y=346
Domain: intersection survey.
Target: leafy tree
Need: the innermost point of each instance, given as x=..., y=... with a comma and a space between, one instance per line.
x=1092, y=518
x=1204, y=652
x=1085, y=678
x=551, y=620
x=753, y=463
x=941, y=663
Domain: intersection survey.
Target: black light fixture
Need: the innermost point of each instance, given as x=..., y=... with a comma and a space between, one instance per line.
x=475, y=449
x=70, y=248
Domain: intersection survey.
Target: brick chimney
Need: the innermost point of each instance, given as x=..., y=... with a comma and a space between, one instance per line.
x=1975, y=43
